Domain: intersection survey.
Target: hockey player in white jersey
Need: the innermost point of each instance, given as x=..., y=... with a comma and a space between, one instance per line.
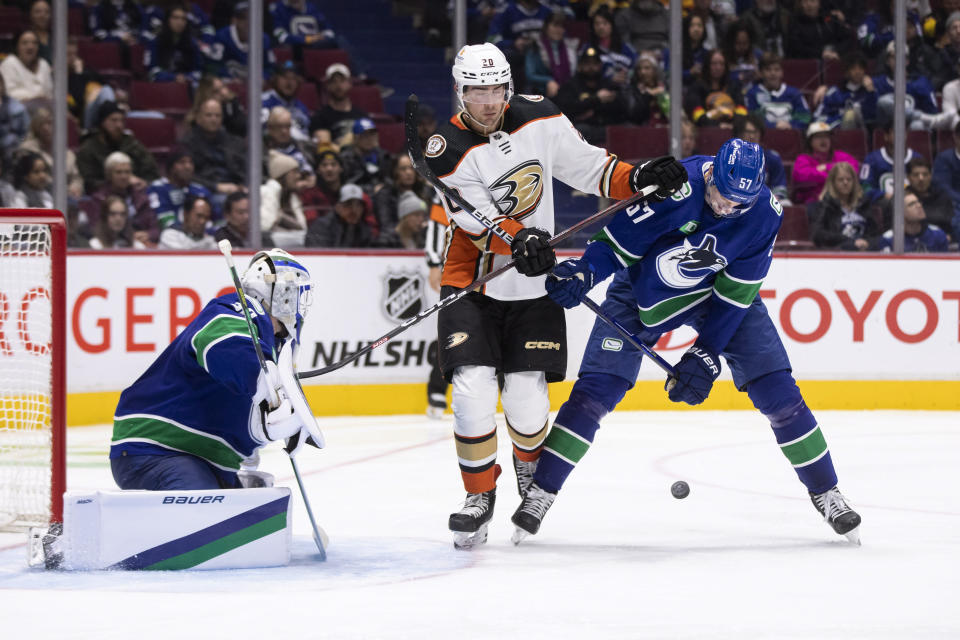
x=501, y=152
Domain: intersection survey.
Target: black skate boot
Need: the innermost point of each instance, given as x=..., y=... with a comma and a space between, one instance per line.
x=837, y=513
x=525, y=471
x=469, y=525
x=529, y=514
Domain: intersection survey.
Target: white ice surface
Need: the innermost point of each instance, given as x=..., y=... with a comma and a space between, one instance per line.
x=744, y=556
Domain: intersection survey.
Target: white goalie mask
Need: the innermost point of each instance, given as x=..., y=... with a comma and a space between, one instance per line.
x=478, y=65
x=281, y=284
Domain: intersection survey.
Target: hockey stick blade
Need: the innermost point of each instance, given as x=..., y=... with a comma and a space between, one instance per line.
x=415, y=152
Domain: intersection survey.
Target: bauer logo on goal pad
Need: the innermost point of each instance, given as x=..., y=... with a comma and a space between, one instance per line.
x=402, y=295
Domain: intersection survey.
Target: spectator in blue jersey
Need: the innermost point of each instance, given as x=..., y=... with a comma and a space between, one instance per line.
x=644, y=24
x=876, y=30
x=946, y=173
x=204, y=408
x=591, y=101
x=219, y=158
x=516, y=24
x=742, y=54
x=780, y=105
x=173, y=55
x=284, y=85
x=853, y=104
x=191, y=232
x=695, y=51
x=919, y=235
x=278, y=137
x=332, y=124
x=618, y=57
x=813, y=33
x=939, y=207
x=364, y=162
x=698, y=258
x=167, y=195
x=751, y=128
x=236, y=220
x=876, y=172
x=231, y=45
x=118, y=170
x=843, y=217
x=921, y=104
x=116, y=21
x=551, y=60
x=299, y=24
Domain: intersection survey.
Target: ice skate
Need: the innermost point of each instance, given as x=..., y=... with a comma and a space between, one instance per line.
x=531, y=511
x=469, y=525
x=525, y=471
x=44, y=546
x=837, y=513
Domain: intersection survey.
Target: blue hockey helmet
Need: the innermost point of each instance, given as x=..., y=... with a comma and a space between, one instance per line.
x=738, y=171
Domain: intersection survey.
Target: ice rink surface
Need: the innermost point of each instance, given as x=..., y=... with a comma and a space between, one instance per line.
x=744, y=556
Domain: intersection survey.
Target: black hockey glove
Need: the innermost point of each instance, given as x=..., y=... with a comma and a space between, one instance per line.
x=665, y=172
x=693, y=376
x=532, y=253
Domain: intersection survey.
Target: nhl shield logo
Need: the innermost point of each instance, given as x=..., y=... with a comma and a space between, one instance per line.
x=402, y=295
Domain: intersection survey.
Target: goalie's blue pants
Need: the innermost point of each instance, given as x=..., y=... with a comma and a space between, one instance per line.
x=758, y=363
x=177, y=471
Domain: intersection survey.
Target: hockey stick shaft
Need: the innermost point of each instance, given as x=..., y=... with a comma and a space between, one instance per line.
x=629, y=337
x=227, y=250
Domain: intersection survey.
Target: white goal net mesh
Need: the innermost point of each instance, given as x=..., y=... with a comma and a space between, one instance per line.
x=25, y=375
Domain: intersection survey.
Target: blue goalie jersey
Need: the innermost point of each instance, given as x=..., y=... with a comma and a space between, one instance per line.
x=196, y=397
x=680, y=256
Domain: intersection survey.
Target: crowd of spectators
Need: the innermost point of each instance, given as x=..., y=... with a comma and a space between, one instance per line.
x=328, y=182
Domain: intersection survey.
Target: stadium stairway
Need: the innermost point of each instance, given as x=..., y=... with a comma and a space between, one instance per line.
x=393, y=53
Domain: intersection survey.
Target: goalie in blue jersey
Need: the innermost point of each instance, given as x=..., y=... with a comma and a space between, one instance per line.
x=199, y=414
x=696, y=258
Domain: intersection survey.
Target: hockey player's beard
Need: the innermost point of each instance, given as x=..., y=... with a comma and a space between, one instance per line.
x=479, y=127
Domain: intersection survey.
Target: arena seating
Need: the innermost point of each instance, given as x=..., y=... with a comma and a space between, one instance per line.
x=316, y=61
x=787, y=142
x=795, y=229
x=158, y=135
x=170, y=98
x=632, y=143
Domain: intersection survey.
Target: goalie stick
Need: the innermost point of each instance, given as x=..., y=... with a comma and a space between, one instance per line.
x=419, y=163
x=319, y=535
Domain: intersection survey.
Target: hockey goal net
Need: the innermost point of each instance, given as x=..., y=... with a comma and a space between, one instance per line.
x=32, y=367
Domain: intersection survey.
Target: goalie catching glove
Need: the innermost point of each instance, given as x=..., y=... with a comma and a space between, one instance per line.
x=532, y=253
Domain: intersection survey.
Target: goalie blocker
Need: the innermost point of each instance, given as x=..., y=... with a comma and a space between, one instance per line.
x=167, y=530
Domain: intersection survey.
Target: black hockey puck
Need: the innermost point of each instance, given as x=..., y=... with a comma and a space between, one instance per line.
x=680, y=489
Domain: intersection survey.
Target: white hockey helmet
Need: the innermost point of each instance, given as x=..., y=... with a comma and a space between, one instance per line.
x=281, y=284
x=481, y=65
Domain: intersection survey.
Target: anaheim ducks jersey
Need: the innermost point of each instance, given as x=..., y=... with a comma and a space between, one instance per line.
x=508, y=177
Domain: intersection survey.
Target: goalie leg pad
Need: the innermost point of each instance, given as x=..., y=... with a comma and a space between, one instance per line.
x=777, y=396
x=594, y=395
x=526, y=406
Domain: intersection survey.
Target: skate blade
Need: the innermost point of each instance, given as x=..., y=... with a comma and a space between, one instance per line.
x=854, y=536
x=519, y=535
x=465, y=541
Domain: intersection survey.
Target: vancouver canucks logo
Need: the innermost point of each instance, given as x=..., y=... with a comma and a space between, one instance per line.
x=519, y=191
x=685, y=266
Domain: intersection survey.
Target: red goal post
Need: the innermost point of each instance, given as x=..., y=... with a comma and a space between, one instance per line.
x=33, y=252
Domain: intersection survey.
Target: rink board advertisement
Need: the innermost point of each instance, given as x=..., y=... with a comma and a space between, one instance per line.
x=842, y=318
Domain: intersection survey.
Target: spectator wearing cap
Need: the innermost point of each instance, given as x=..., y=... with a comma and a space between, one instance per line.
x=853, y=104
x=780, y=105
x=14, y=122
x=168, y=194
x=409, y=232
x=403, y=179
x=231, y=45
x=284, y=85
x=811, y=167
x=946, y=173
x=27, y=76
x=590, y=100
x=109, y=136
x=751, y=128
x=236, y=220
x=219, y=157
x=332, y=123
x=364, y=162
x=876, y=174
x=299, y=24
x=278, y=137
x=118, y=171
x=173, y=55
x=40, y=140
x=346, y=227
x=281, y=209
x=552, y=58
x=192, y=232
